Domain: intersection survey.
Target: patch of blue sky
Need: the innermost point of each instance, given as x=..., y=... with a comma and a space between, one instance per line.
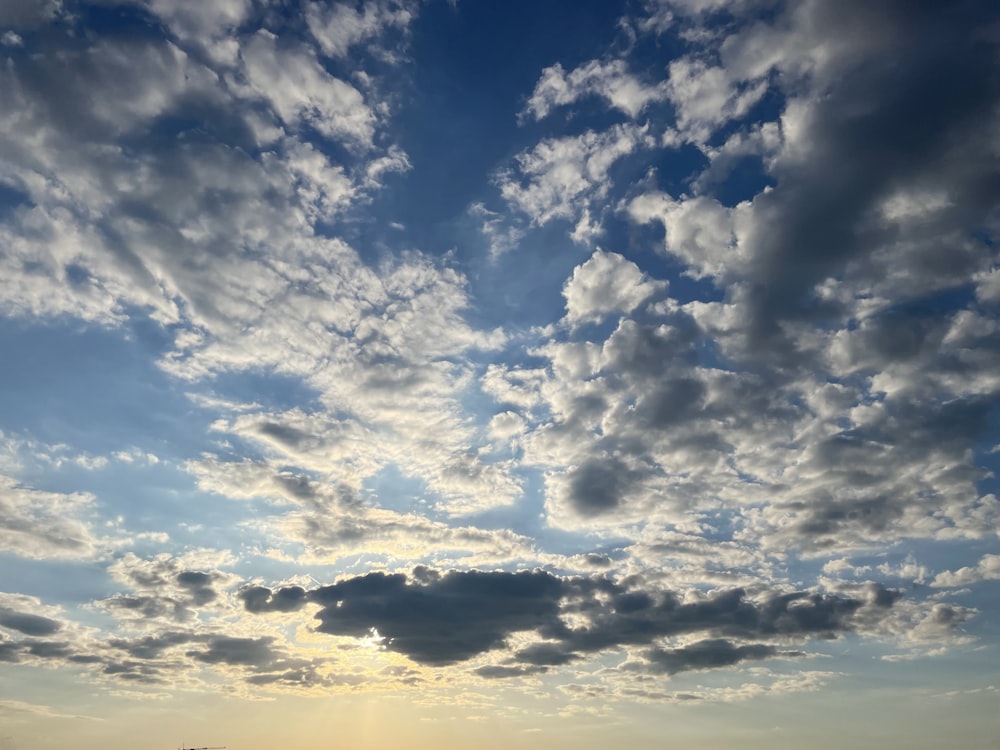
x=268, y=390
x=869, y=659
x=61, y=581
x=457, y=124
x=526, y=516
x=515, y=288
x=745, y=178
x=986, y=451
x=111, y=398
x=191, y=517
x=117, y=19
x=11, y=199
x=395, y=490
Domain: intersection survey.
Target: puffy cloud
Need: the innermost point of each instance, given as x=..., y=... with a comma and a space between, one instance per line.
x=301, y=91
x=27, y=623
x=699, y=230
x=988, y=569
x=706, y=97
x=609, y=80
x=340, y=26
x=207, y=23
x=559, y=177
x=606, y=283
x=709, y=654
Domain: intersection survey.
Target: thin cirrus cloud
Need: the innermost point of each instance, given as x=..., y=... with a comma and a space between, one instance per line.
x=694, y=388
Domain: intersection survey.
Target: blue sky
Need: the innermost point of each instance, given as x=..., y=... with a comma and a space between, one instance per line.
x=427, y=373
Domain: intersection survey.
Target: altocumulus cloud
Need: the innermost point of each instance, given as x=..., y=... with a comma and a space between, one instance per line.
x=670, y=349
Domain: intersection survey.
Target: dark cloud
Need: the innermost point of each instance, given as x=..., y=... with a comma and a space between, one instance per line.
x=598, y=560
x=285, y=434
x=151, y=647
x=451, y=617
x=303, y=676
x=546, y=654
x=708, y=654
x=600, y=485
x=671, y=402
x=10, y=652
x=254, y=652
x=726, y=613
x=862, y=496
x=49, y=649
x=198, y=585
x=27, y=15
x=910, y=109
x=260, y=599
x=151, y=607
x=502, y=672
x=448, y=620
x=27, y=623
x=134, y=671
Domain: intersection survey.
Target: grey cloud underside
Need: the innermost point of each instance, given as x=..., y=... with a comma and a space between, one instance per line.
x=156, y=659
x=162, y=591
x=907, y=103
x=709, y=654
x=34, y=625
x=455, y=616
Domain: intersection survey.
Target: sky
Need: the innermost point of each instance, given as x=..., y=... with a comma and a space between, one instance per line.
x=562, y=374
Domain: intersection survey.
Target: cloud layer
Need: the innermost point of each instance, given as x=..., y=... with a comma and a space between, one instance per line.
x=687, y=371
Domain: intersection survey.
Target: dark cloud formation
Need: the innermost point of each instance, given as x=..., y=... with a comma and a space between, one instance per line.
x=451, y=619
x=498, y=672
x=153, y=658
x=237, y=651
x=198, y=585
x=150, y=647
x=708, y=654
x=454, y=616
x=150, y=607
x=27, y=623
x=908, y=105
x=599, y=485
x=259, y=599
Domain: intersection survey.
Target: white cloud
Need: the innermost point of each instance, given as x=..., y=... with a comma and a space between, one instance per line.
x=301, y=91
x=47, y=525
x=609, y=80
x=205, y=23
x=707, y=97
x=988, y=285
x=606, y=283
x=501, y=235
x=339, y=26
x=559, y=177
x=699, y=230
x=335, y=521
x=988, y=569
